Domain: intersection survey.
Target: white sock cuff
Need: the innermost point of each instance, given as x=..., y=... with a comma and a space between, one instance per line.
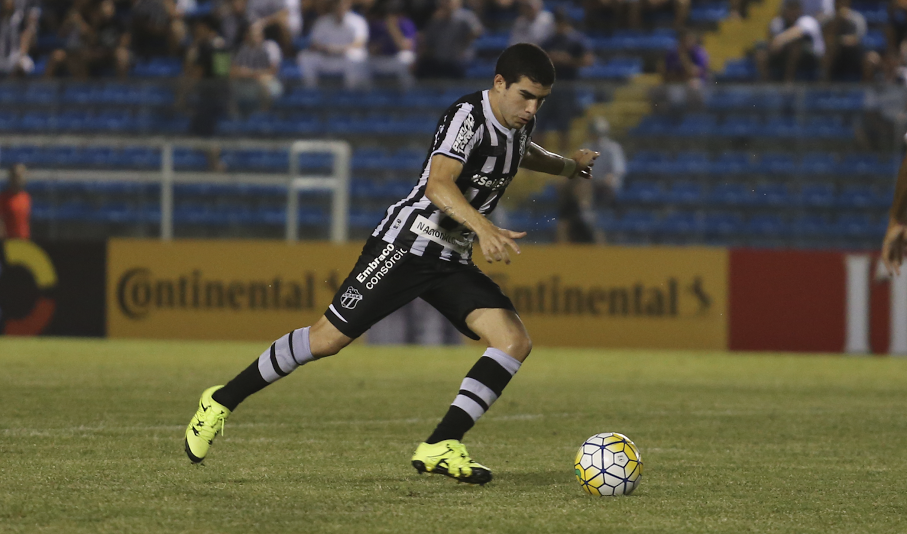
x=508, y=362
x=285, y=355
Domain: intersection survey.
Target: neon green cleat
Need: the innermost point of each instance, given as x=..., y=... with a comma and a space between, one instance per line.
x=207, y=422
x=450, y=458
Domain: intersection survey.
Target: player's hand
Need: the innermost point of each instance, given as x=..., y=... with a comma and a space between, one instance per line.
x=584, y=159
x=494, y=242
x=893, y=246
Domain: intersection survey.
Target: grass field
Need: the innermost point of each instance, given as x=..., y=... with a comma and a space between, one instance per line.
x=91, y=441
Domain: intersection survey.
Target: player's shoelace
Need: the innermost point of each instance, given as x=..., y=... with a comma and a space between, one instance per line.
x=211, y=426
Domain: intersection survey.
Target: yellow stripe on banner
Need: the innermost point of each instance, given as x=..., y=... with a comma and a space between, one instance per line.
x=32, y=257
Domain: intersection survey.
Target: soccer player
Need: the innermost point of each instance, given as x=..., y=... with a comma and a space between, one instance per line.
x=423, y=248
x=895, y=240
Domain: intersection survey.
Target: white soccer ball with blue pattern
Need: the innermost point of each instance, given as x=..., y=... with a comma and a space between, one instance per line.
x=608, y=464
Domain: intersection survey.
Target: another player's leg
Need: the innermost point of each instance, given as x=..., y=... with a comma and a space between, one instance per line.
x=508, y=346
x=282, y=358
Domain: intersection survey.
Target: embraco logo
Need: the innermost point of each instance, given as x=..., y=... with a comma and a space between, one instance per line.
x=671, y=299
x=139, y=292
x=27, y=282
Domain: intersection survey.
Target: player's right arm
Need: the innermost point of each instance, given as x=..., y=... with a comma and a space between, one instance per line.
x=443, y=192
x=895, y=240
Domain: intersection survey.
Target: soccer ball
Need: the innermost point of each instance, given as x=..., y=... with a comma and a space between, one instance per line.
x=608, y=464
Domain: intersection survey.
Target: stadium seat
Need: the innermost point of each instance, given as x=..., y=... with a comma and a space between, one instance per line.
x=639, y=222
x=690, y=163
x=731, y=163
x=771, y=195
x=641, y=193
x=681, y=223
x=818, y=163
x=737, y=126
x=684, y=193
x=722, y=224
x=766, y=225
x=817, y=195
x=729, y=195
x=697, y=125
x=776, y=164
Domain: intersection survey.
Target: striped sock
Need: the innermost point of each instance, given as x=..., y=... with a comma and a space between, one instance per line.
x=281, y=359
x=482, y=386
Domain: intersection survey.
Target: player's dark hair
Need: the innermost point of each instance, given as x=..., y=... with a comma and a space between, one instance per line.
x=527, y=60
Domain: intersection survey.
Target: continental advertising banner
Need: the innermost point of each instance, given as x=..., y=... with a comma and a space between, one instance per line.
x=188, y=289
x=568, y=296
x=620, y=297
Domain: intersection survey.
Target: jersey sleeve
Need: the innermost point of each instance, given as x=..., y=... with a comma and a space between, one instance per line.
x=458, y=133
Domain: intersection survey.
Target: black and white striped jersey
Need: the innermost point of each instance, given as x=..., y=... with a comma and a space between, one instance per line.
x=490, y=152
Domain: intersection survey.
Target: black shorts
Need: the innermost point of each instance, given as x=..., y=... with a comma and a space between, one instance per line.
x=387, y=277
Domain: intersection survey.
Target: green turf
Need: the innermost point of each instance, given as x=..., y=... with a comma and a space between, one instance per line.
x=91, y=441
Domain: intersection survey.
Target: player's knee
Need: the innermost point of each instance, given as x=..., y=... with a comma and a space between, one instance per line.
x=325, y=340
x=518, y=345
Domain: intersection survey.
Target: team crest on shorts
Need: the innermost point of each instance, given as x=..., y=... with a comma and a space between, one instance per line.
x=350, y=298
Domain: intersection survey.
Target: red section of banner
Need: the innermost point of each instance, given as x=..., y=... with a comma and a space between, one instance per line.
x=786, y=300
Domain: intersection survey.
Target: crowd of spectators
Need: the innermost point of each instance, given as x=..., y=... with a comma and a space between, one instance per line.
x=83, y=39
x=249, y=40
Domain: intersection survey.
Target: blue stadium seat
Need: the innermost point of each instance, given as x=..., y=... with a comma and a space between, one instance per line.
x=857, y=197
x=823, y=127
x=654, y=125
x=697, y=125
x=776, y=164
x=365, y=219
x=38, y=121
x=709, y=13
x=857, y=225
x=615, y=69
x=74, y=121
x=370, y=159
x=818, y=163
x=817, y=195
x=812, y=226
x=647, y=162
x=40, y=93
x=731, y=163
x=492, y=42
x=684, y=193
x=875, y=13
x=186, y=159
x=781, y=128
x=771, y=195
x=640, y=222
x=732, y=99
x=683, y=223
x=859, y=164
x=723, y=224
x=738, y=70
x=730, y=195
x=641, y=193
x=875, y=40
x=690, y=163
x=737, y=126
x=834, y=100
x=766, y=225
x=9, y=121
x=408, y=160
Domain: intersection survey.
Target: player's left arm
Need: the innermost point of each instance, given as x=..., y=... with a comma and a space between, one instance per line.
x=540, y=160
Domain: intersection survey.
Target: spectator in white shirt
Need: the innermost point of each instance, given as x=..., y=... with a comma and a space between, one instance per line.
x=338, y=45
x=280, y=19
x=534, y=25
x=795, y=46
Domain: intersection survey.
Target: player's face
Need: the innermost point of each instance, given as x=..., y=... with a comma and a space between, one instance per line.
x=521, y=101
